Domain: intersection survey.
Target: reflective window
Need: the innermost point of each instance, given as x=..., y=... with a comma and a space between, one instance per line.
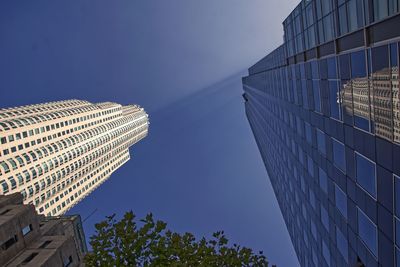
x=308, y=132
x=325, y=218
x=341, y=201
x=397, y=257
x=366, y=174
x=332, y=70
x=381, y=9
x=312, y=199
x=321, y=142
x=304, y=93
x=344, y=67
x=358, y=87
x=339, y=159
x=328, y=27
x=397, y=195
x=326, y=253
x=358, y=64
x=397, y=227
x=313, y=230
x=323, y=69
x=314, y=70
x=334, y=102
x=380, y=58
x=367, y=232
x=393, y=6
x=343, y=20
x=27, y=229
x=317, y=96
x=342, y=244
x=310, y=164
x=323, y=180
x=381, y=92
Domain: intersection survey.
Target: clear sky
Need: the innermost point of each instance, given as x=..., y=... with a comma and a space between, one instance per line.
x=199, y=169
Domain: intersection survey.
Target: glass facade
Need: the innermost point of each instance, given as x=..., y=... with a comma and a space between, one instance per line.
x=325, y=112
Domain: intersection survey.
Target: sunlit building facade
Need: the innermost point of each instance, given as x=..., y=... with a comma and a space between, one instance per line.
x=325, y=111
x=56, y=153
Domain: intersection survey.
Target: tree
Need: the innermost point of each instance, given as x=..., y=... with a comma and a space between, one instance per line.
x=124, y=243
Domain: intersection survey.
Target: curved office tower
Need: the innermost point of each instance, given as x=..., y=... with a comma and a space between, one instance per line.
x=325, y=110
x=56, y=153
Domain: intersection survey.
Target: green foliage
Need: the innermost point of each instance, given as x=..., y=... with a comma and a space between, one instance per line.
x=123, y=243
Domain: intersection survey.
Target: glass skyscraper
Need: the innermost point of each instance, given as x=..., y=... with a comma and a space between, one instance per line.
x=325, y=111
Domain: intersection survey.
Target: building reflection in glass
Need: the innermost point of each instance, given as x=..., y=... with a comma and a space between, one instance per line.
x=373, y=100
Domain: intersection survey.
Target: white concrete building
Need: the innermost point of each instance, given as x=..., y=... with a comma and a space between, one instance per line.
x=56, y=153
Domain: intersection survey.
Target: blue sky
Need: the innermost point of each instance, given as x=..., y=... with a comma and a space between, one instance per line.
x=199, y=169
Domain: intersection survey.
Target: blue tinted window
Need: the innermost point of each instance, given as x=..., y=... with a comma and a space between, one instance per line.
x=317, y=96
x=312, y=199
x=397, y=257
x=308, y=132
x=367, y=232
x=397, y=195
x=328, y=27
x=304, y=93
x=321, y=142
x=305, y=238
x=380, y=9
x=301, y=156
x=339, y=155
x=325, y=218
x=343, y=20
x=394, y=55
x=314, y=230
x=397, y=226
x=302, y=71
x=362, y=123
x=323, y=180
x=315, y=258
x=323, y=69
x=358, y=65
x=299, y=126
x=342, y=244
x=366, y=174
x=341, y=201
x=380, y=58
x=344, y=67
x=310, y=166
x=326, y=253
x=314, y=70
x=332, y=71
x=334, y=100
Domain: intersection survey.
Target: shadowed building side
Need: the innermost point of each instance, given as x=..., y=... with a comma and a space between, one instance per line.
x=29, y=239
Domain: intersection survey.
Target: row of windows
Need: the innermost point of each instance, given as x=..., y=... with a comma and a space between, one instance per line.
x=59, y=134
x=76, y=197
x=38, y=118
x=341, y=204
x=360, y=88
x=49, y=149
x=53, y=163
x=45, y=107
x=315, y=22
x=97, y=166
x=277, y=119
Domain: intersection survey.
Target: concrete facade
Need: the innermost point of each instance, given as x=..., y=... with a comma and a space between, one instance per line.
x=29, y=239
x=56, y=153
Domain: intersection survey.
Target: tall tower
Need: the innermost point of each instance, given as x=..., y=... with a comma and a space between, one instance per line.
x=325, y=111
x=56, y=153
